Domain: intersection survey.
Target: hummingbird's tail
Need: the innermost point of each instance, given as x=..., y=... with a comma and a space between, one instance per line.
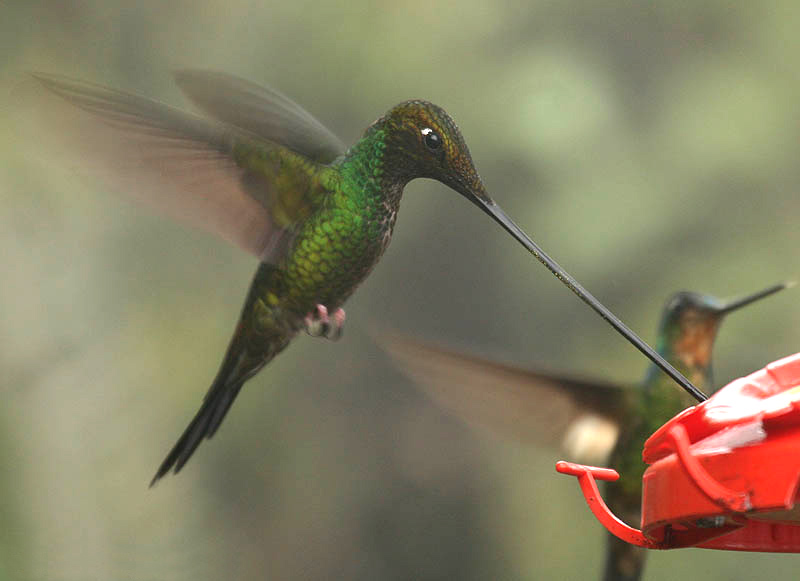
x=230, y=378
x=247, y=353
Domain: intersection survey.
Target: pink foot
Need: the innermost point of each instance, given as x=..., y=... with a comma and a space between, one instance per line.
x=319, y=324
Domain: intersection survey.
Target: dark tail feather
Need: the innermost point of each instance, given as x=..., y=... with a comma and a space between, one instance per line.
x=236, y=369
x=248, y=352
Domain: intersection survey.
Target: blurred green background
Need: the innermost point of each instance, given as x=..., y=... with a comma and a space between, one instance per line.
x=649, y=147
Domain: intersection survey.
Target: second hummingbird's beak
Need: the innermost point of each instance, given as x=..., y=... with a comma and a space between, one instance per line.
x=475, y=192
x=732, y=305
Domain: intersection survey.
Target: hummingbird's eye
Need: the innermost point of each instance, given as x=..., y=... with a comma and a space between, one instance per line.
x=432, y=139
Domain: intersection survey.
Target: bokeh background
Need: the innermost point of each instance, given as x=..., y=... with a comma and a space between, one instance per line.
x=648, y=146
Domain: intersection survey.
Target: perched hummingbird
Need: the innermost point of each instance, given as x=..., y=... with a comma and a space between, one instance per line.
x=260, y=171
x=590, y=420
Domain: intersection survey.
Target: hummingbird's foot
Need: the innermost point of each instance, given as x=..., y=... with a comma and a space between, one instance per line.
x=319, y=324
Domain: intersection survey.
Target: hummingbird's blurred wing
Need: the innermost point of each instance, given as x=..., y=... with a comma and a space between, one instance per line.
x=259, y=110
x=180, y=163
x=581, y=417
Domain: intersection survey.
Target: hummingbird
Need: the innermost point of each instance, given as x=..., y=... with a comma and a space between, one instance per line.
x=592, y=421
x=259, y=170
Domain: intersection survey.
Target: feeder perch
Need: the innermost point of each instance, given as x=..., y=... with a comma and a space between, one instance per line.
x=723, y=474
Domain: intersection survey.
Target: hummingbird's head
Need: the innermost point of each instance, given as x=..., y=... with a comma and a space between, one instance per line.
x=423, y=141
x=690, y=323
x=689, y=326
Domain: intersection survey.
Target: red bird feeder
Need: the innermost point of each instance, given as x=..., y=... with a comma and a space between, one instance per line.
x=723, y=474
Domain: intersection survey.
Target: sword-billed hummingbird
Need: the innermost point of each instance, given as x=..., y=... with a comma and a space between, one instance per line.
x=592, y=421
x=260, y=171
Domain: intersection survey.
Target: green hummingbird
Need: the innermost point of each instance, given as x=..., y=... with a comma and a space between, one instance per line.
x=594, y=422
x=262, y=172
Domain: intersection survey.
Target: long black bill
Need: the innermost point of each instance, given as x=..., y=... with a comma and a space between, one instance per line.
x=735, y=304
x=493, y=210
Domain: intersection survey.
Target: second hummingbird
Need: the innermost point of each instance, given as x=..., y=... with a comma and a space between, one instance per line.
x=592, y=420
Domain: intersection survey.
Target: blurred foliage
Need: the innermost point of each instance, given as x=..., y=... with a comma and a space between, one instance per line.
x=649, y=147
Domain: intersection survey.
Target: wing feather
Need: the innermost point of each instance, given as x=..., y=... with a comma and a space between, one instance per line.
x=261, y=110
x=526, y=405
x=182, y=164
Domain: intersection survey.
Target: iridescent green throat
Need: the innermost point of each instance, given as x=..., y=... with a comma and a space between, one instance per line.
x=367, y=171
